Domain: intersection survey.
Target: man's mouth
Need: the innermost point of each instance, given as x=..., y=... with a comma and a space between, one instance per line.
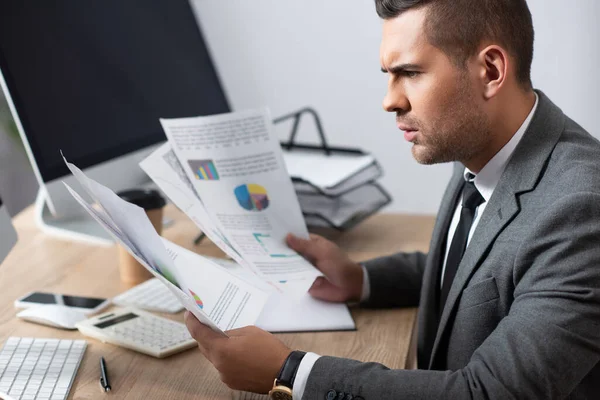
x=410, y=136
x=410, y=133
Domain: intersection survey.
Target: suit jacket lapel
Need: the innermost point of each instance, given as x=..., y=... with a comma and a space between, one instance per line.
x=521, y=174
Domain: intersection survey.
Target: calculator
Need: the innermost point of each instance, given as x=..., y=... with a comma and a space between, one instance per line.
x=151, y=295
x=139, y=331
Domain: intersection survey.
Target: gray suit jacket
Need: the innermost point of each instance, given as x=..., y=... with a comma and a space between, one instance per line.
x=522, y=319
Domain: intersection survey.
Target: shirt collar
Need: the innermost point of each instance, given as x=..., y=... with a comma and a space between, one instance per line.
x=487, y=179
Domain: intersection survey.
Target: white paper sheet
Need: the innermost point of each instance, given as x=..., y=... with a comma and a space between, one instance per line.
x=235, y=165
x=216, y=297
x=164, y=169
x=228, y=300
x=114, y=232
x=131, y=221
x=4, y=396
x=301, y=313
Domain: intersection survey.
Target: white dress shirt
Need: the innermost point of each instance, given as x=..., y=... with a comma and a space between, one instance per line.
x=485, y=182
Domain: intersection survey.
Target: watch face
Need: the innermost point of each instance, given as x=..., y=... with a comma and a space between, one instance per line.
x=280, y=396
x=280, y=393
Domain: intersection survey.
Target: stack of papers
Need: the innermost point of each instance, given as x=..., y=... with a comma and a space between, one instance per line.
x=336, y=190
x=226, y=172
x=236, y=302
x=333, y=174
x=345, y=211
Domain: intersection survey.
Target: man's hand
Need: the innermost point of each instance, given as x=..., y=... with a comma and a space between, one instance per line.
x=344, y=277
x=249, y=359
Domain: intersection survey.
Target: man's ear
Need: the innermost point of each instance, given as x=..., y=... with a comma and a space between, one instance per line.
x=493, y=63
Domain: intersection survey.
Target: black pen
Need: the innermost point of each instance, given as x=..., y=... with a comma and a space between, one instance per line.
x=104, y=375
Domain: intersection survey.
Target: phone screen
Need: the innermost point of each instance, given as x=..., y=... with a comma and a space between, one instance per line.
x=82, y=302
x=42, y=298
x=70, y=301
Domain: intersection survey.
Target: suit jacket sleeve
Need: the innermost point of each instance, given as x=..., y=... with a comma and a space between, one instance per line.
x=547, y=343
x=395, y=280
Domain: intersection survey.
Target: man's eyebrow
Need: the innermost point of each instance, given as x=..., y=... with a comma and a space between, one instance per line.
x=398, y=69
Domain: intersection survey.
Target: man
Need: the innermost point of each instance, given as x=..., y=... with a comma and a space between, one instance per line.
x=509, y=295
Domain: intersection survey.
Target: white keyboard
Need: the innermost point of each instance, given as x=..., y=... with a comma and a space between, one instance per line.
x=40, y=369
x=140, y=331
x=151, y=295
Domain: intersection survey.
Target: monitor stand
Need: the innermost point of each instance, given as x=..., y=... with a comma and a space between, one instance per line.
x=79, y=227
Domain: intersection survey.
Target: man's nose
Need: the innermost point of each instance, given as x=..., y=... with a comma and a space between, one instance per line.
x=395, y=99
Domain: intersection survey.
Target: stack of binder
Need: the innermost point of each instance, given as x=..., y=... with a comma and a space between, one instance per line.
x=336, y=186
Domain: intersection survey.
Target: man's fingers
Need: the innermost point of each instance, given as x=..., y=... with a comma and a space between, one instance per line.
x=204, y=351
x=192, y=326
x=245, y=331
x=318, y=283
x=204, y=335
x=322, y=289
x=296, y=243
x=310, y=249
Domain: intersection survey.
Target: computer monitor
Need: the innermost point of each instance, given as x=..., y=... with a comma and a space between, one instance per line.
x=92, y=78
x=8, y=236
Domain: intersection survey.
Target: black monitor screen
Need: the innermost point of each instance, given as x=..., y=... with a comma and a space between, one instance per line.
x=93, y=77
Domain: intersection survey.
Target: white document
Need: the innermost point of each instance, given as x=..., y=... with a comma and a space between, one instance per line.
x=228, y=300
x=131, y=222
x=103, y=220
x=164, y=169
x=301, y=313
x=234, y=163
x=216, y=297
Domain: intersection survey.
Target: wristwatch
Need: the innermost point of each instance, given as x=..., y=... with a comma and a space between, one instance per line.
x=282, y=387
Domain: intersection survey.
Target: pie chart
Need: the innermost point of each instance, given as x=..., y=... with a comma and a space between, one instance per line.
x=252, y=197
x=197, y=299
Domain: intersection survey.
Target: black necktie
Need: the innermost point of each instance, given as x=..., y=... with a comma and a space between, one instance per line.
x=471, y=200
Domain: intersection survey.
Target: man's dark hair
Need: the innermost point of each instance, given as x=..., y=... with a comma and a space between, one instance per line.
x=459, y=27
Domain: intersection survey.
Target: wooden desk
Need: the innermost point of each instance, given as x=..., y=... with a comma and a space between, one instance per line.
x=40, y=262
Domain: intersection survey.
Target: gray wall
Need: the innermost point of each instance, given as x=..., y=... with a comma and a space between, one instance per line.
x=287, y=54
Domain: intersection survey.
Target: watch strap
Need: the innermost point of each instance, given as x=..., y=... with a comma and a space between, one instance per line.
x=288, y=371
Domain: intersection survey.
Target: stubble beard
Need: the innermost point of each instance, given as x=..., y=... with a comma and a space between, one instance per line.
x=459, y=134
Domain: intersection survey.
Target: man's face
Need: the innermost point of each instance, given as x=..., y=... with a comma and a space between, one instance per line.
x=434, y=100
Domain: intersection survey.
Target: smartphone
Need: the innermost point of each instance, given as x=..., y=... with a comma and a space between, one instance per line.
x=88, y=305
